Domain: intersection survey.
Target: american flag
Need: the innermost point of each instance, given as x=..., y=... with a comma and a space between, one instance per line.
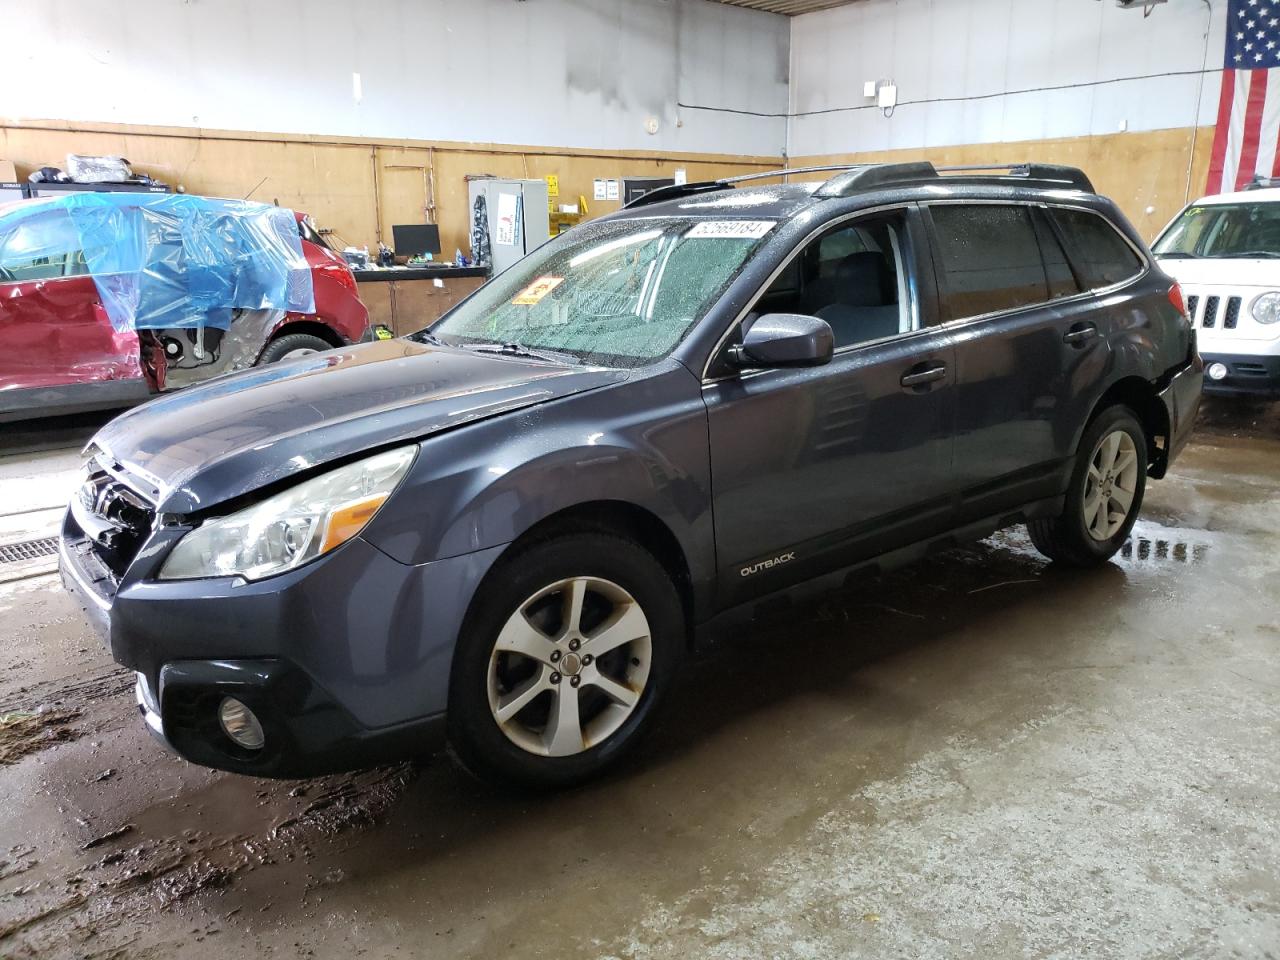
x=1244, y=142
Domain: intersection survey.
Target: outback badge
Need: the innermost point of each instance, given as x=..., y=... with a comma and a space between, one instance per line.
x=777, y=561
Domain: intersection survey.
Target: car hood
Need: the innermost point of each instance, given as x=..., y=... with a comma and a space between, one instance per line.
x=1210, y=271
x=235, y=434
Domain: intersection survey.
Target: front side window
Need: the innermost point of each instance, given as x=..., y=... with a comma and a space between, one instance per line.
x=44, y=246
x=1223, y=231
x=852, y=277
x=616, y=293
x=1101, y=256
x=989, y=257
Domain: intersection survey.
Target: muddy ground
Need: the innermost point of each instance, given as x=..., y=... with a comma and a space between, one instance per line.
x=975, y=756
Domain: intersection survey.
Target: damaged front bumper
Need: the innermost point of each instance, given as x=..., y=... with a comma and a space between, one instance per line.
x=345, y=662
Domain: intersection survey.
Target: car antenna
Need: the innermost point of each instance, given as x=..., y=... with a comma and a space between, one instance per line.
x=255, y=188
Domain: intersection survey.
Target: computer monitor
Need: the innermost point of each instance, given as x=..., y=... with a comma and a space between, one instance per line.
x=415, y=239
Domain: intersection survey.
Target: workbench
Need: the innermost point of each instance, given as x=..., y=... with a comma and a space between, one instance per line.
x=406, y=299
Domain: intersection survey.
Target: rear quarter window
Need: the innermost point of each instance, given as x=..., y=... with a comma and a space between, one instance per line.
x=45, y=246
x=1102, y=257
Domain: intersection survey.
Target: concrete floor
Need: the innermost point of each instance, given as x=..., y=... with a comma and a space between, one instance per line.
x=978, y=756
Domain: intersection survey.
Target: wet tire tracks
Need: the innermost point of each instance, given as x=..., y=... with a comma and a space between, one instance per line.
x=127, y=883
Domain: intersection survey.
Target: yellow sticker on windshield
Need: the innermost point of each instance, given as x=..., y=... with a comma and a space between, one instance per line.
x=535, y=291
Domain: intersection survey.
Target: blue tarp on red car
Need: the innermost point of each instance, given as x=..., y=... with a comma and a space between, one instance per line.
x=169, y=261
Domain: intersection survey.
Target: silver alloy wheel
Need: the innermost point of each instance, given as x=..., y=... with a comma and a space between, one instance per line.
x=574, y=688
x=1110, y=485
x=300, y=352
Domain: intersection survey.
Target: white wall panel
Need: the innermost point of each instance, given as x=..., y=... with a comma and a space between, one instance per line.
x=579, y=73
x=976, y=55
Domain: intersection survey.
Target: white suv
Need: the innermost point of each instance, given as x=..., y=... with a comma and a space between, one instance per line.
x=1225, y=253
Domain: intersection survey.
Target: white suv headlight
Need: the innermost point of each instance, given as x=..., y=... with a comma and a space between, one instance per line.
x=293, y=527
x=1266, y=309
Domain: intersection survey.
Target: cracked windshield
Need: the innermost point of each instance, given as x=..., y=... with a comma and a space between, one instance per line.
x=616, y=294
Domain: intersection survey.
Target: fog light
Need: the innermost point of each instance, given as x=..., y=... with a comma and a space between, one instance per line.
x=1217, y=371
x=239, y=723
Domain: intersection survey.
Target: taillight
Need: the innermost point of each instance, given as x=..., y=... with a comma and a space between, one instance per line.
x=1175, y=297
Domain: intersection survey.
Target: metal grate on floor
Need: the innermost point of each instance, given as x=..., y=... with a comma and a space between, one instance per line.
x=28, y=550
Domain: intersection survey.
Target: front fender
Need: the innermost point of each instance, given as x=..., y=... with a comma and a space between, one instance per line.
x=642, y=442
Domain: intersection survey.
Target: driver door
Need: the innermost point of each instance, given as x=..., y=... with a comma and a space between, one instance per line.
x=820, y=467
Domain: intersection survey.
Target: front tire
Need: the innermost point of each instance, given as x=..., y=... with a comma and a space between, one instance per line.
x=570, y=647
x=1104, y=496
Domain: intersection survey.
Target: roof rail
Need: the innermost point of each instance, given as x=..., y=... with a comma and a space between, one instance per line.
x=1073, y=177
x=887, y=174
x=825, y=168
x=672, y=191
x=871, y=175
x=704, y=186
x=854, y=178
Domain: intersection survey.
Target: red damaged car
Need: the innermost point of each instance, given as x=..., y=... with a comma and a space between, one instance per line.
x=73, y=330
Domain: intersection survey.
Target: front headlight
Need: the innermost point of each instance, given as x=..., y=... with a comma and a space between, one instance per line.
x=293, y=527
x=1266, y=309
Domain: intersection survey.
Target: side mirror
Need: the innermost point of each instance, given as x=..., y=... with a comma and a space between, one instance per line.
x=784, y=340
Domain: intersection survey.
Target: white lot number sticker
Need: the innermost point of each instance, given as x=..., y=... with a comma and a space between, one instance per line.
x=732, y=229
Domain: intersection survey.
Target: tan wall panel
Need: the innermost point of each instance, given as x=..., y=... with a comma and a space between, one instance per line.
x=404, y=189
x=404, y=306
x=360, y=189
x=1137, y=170
x=332, y=182
x=451, y=192
x=377, y=297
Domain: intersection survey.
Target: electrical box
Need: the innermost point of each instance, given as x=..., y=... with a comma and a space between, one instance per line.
x=515, y=214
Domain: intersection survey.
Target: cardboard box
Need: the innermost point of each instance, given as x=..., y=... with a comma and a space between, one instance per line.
x=7, y=172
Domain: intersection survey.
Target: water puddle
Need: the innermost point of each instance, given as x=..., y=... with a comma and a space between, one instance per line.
x=1154, y=544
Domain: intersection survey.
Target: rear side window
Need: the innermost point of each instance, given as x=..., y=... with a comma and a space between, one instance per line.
x=41, y=247
x=989, y=257
x=1101, y=255
x=1062, y=282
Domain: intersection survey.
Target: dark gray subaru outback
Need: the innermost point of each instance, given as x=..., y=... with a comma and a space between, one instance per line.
x=509, y=528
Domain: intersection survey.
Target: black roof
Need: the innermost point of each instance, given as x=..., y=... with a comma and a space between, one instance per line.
x=743, y=197
x=766, y=201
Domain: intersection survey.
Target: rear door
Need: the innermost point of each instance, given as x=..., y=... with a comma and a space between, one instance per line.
x=820, y=467
x=1029, y=351
x=54, y=330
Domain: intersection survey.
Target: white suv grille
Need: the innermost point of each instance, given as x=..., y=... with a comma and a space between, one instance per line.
x=1219, y=311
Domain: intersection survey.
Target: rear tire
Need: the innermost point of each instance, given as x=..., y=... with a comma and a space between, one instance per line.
x=545, y=692
x=297, y=344
x=1104, y=496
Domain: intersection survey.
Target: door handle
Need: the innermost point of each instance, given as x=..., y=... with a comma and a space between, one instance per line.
x=917, y=377
x=1081, y=333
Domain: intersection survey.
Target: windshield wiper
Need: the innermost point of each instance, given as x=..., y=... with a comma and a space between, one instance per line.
x=1250, y=254
x=1177, y=255
x=513, y=349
